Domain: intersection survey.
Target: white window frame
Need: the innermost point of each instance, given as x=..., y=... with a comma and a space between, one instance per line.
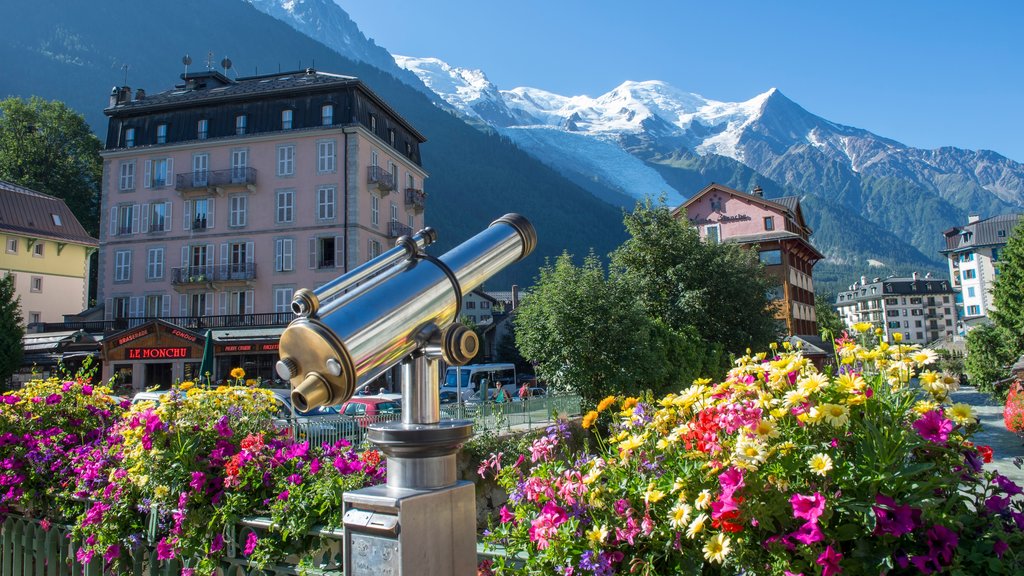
x=286, y=160
x=718, y=233
x=326, y=203
x=37, y=249
x=159, y=213
x=207, y=220
x=375, y=210
x=287, y=117
x=326, y=156
x=238, y=205
x=284, y=254
x=327, y=115
x=285, y=206
x=129, y=137
x=202, y=129
x=283, y=299
x=12, y=245
x=152, y=170
x=123, y=266
x=394, y=212
x=155, y=263
x=200, y=169
x=241, y=124
x=373, y=250
x=161, y=133
x=126, y=180
x=35, y=284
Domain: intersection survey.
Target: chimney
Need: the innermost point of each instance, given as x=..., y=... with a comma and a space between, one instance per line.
x=972, y=218
x=515, y=296
x=113, y=96
x=757, y=191
x=914, y=276
x=863, y=280
x=140, y=94
x=124, y=95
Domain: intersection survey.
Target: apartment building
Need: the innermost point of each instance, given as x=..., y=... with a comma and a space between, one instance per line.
x=782, y=237
x=922, y=309
x=972, y=252
x=47, y=251
x=223, y=196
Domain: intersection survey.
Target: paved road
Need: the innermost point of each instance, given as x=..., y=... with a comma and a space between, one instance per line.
x=1006, y=446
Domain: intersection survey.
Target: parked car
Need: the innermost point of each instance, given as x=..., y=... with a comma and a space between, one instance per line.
x=369, y=409
x=149, y=396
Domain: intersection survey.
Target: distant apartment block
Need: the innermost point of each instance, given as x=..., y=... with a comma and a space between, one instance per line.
x=922, y=309
x=782, y=237
x=47, y=251
x=223, y=196
x=973, y=252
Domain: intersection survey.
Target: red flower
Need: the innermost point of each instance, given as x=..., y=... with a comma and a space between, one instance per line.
x=986, y=453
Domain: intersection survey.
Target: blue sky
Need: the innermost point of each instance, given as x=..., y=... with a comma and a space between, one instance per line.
x=928, y=74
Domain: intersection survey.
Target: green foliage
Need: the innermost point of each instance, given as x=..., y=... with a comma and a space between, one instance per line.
x=11, y=330
x=829, y=324
x=589, y=335
x=718, y=289
x=1008, y=294
x=950, y=361
x=48, y=147
x=988, y=357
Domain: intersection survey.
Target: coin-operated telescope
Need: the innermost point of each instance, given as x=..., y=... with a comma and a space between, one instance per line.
x=402, y=307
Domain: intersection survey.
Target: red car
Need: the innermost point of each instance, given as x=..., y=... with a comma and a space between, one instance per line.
x=368, y=409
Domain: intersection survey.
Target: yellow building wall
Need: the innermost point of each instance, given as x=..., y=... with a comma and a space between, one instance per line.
x=61, y=270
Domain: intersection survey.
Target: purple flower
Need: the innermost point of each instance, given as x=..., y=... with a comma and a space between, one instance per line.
x=892, y=519
x=87, y=389
x=505, y=515
x=995, y=504
x=198, y=481
x=95, y=514
x=283, y=495
x=250, y=543
x=53, y=399
x=999, y=548
x=223, y=428
x=164, y=550
x=934, y=427
x=1006, y=485
x=808, y=534
x=217, y=544
x=85, y=555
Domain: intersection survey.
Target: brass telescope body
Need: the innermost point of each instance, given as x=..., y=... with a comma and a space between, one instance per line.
x=331, y=350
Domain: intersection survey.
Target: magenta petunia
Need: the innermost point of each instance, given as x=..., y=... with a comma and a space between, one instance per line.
x=808, y=508
x=250, y=543
x=164, y=550
x=934, y=427
x=505, y=515
x=829, y=562
x=892, y=519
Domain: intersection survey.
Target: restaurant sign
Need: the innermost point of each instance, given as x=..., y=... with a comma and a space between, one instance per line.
x=161, y=353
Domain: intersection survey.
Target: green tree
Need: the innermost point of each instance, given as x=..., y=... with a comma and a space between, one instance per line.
x=48, y=147
x=11, y=330
x=988, y=357
x=830, y=325
x=721, y=290
x=1008, y=293
x=588, y=335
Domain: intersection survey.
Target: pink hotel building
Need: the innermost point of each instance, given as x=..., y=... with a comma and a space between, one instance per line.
x=222, y=197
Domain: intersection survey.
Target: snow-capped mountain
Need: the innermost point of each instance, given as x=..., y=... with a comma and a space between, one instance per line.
x=911, y=192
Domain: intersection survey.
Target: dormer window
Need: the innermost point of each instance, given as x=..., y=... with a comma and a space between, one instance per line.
x=373, y=122
x=129, y=137
x=1001, y=233
x=241, y=121
x=286, y=119
x=391, y=137
x=327, y=115
x=203, y=129
x=161, y=133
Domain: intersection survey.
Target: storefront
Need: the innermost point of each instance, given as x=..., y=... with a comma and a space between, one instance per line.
x=251, y=349
x=46, y=351
x=154, y=354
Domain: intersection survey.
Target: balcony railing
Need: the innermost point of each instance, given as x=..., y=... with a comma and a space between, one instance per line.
x=201, y=179
x=415, y=198
x=192, y=275
x=220, y=273
x=396, y=229
x=384, y=180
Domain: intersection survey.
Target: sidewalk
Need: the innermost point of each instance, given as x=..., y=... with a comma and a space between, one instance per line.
x=1005, y=444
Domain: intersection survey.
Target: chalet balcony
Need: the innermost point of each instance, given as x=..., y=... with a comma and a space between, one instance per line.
x=380, y=180
x=216, y=181
x=415, y=198
x=397, y=229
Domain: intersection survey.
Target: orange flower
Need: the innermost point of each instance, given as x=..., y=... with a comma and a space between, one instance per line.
x=589, y=419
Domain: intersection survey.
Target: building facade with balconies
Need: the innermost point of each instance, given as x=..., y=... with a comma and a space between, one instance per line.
x=223, y=196
x=973, y=254
x=922, y=309
x=783, y=239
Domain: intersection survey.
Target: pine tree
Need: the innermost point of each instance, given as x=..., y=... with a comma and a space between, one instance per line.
x=1008, y=294
x=11, y=330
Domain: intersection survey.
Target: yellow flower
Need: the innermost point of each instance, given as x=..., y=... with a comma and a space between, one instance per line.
x=925, y=356
x=186, y=385
x=161, y=491
x=717, y=548
x=850, y=382
x=813, y=383
x=678, y=485
x=897, y=337
x=703, y=500
x=589, y=419
x=597, y=535
x=633, y=442
x=679, y=517
x=836, y=414
x=820, y=464
x=237, y=373
x=924, y=406
x=862, y=326
x=765, y=429
x=960, y=413
x=605, y=404
x=697, y=526
x=652, y=494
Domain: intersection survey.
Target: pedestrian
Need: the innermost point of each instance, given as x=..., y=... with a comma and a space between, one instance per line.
x=524, y=391
x=500, y=396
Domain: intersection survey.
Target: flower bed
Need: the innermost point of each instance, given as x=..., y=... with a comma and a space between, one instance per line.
x=779, y=469
x=179, y=475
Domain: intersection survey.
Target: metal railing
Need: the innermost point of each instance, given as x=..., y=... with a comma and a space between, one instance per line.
x=200, y=179
x=263, y=319
x=416, y=198
x=384, y=180
x=396, y=229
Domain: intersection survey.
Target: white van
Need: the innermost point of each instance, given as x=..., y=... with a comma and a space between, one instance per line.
x=467, y=381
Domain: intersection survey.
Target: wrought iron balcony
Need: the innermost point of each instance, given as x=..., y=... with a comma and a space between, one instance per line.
x=415, y=198
x=384, y=180
x=396, y=229
x=230, y=272
x=204, y=179
x=192, y=275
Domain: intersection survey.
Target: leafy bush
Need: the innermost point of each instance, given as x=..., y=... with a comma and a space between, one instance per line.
x=779, y=469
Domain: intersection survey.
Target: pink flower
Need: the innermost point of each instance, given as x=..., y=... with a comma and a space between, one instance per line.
x=829, y=562
x=807, y=508
x=933, y=426
x=808, y=534
x=731, y=480
x=629, y=533
x=505, y=515
x=250, y=543
x=164, y=549
x=113, y=551
x=545, y=526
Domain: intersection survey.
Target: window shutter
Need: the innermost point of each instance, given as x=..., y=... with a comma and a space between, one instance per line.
x=165, y=305
x=135, y=307
x=278, y=255
x=147, y=181
x=209, y=213
x=135, y=218
x=312, y=252
x=113, y=221
x=250, y=295
x=187, y=217
x=167, y=215
x=170, y=172
x=209, y=303
x=339, y=251
x=223, y=303
x=108, y=309
x=145, y=218
x=183, y=305
x=184, y=257
x=209, y=263
x=224, y=258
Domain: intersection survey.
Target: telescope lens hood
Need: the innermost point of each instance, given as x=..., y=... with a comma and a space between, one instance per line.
x=524, y=228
